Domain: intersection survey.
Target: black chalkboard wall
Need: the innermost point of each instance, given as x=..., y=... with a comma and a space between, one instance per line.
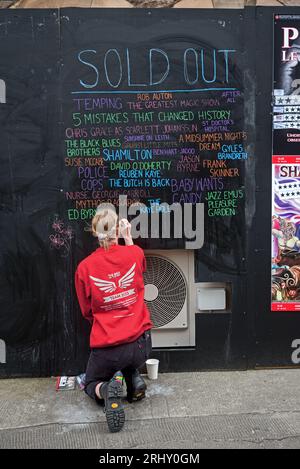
x=209, y=73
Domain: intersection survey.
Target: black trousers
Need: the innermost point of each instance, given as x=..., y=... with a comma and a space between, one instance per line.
x=104, y=362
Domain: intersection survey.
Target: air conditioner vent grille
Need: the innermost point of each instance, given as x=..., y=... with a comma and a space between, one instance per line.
x=171, y=290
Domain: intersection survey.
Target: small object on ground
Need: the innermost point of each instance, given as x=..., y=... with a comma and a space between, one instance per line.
x=152, y=368
x=81, y=380
x=112, y=393
x=65, y=383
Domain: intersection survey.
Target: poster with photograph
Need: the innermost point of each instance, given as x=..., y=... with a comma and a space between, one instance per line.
x=286, y=165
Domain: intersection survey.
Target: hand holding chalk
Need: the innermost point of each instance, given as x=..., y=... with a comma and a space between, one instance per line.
x=125, y=231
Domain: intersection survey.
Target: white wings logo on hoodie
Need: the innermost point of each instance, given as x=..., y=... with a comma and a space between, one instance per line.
x=110, y=286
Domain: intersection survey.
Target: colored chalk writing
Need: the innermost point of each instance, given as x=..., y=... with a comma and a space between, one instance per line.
x=182, y=144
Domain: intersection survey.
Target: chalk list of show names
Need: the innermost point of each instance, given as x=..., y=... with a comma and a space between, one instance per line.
x=154, y=148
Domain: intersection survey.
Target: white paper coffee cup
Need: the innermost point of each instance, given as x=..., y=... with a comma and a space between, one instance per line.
x=152, y=368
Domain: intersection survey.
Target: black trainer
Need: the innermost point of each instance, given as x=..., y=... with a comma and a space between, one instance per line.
x=136, y=386
x=112, y=393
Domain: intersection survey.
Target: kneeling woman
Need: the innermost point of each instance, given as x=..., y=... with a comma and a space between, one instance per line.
x=110, y=290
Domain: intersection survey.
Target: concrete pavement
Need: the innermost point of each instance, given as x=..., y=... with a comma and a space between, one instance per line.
x=253, y=409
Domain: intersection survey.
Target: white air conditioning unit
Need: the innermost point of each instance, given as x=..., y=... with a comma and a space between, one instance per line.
x=171, y=297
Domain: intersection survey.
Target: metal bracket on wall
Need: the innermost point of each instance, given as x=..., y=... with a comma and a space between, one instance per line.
x=2, y=92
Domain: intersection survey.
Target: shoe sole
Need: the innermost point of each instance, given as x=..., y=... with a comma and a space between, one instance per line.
x=115, y=415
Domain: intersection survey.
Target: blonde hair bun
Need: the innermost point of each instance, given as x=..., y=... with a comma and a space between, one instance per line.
x=105, y=224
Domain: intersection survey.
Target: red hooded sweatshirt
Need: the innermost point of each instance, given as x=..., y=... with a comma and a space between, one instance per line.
x=110, y=290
